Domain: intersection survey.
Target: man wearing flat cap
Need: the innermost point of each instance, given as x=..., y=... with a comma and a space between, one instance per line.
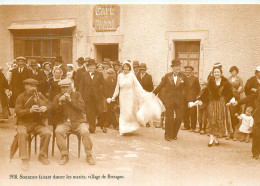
x=30, y=109
x=80, y=71
x=69, y=107
x=193, y=90
x=92, y=90
x=175, y=84
x=19, y=73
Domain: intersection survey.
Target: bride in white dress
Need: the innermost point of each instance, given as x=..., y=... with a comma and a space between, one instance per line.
x=137, y=106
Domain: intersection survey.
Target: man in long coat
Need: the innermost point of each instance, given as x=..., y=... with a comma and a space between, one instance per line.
x=175, y=84
x=19, y=74
x=92, y=90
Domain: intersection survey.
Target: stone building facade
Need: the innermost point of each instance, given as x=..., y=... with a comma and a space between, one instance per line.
x=200, y=35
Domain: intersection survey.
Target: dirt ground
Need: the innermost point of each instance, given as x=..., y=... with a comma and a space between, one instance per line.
x=143, y=158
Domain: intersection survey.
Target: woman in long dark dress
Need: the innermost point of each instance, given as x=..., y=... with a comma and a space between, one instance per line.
x=217, y=95
x=4, y=111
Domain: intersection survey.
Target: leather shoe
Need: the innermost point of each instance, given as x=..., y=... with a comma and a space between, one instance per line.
x=25, y=165
x=91, y=131
x=148, y=125
x=210, y=144
x=168, y=139
x=43, y=160
x=104, y=129
x=184, y=128
x=217, y=144
x=90, y=160
x=64, y=159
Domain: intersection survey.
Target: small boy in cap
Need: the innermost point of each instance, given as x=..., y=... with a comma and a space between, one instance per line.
x=70, y=106
x=29, y=109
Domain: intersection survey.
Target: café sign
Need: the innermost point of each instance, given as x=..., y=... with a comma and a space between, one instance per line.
x=106, y=17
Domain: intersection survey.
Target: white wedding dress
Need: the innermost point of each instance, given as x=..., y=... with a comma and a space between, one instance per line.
x=137, y=107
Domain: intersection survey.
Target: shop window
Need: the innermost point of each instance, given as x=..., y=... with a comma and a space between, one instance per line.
x=44, y=45
x=189, y=54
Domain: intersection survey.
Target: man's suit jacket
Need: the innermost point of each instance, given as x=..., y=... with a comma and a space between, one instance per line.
x=78, y=77
x=193, y=88
x=174, y=93
x=68, y=110
x=40, y=76
x=93, y=88
x=146, y=82
x=253, y=98
x=16, y=84
x=251, y=83
x=110, y=86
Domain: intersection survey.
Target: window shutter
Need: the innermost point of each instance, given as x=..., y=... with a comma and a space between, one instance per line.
x=66, y=50
x=19, y=46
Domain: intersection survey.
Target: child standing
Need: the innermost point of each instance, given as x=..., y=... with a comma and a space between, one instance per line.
x=247, y=124
x=202, y=113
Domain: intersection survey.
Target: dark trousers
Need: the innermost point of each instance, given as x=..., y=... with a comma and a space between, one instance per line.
x=23, y=132
x=172, y=125
x=190, y=117
x=203, y=118
x=66, y=128
x=256, y=139
x=234, y=120
x=111, y=116
x=92, y=113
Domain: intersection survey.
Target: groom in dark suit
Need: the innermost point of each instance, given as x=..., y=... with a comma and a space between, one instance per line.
x=175, y=84
x=92, y=90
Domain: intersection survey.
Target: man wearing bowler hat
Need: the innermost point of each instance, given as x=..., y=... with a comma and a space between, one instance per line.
x=92, y=90
x=190, y=114
x=144, y=78
x=40, y=76
x=80, y=71
x=30, y=107
x=175, y=84
x=20, y=73
x=136, y=66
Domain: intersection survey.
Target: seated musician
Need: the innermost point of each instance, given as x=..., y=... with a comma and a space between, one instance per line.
x=30, y=107
x=69, y=106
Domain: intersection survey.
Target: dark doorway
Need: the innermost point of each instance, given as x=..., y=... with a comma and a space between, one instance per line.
x=103, y=51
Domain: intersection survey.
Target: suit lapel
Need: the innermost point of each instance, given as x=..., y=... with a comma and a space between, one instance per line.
x=179, y=79
x=170, y=78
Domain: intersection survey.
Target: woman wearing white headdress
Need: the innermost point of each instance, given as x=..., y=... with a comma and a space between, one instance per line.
x=137, y=106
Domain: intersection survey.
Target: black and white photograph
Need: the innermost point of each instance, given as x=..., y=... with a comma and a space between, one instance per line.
x=130, y=93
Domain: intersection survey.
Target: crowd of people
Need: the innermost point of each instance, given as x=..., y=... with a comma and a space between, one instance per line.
x=122, y=96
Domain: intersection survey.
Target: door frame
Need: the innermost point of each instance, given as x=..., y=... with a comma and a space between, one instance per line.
x=200, y=35
x=103, y=40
